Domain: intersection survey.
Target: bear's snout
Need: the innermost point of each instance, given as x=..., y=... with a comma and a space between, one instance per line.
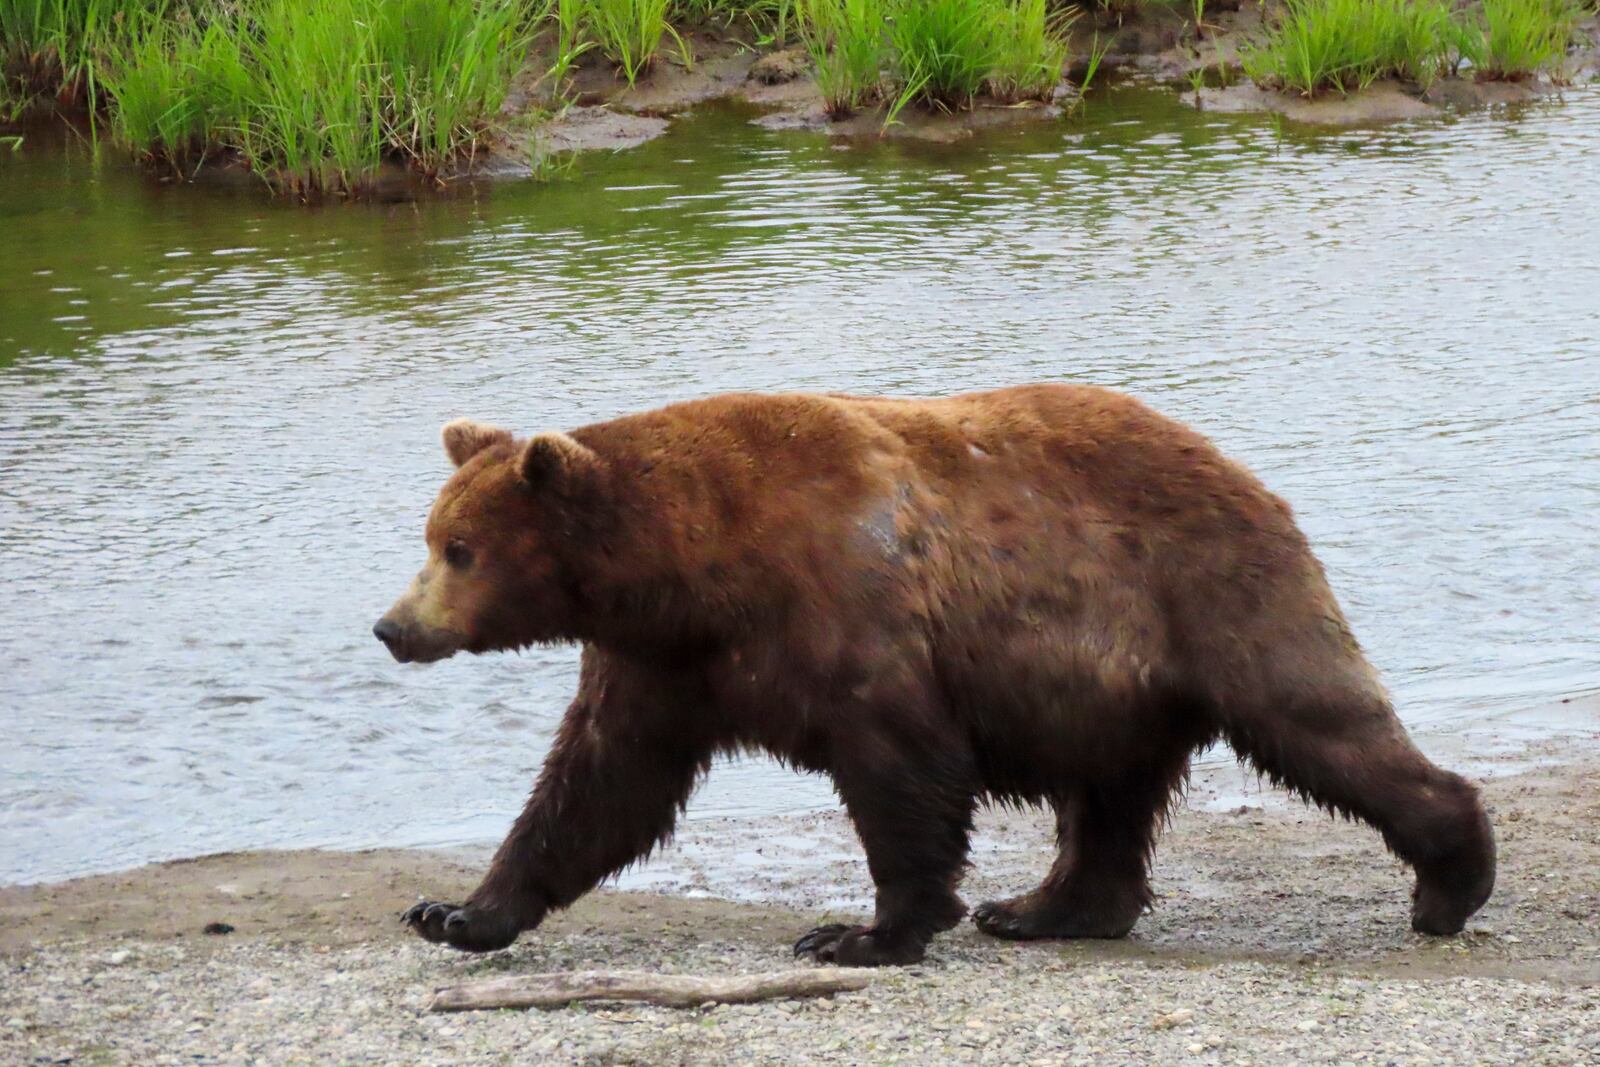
x=389, y=632
x=412, y=641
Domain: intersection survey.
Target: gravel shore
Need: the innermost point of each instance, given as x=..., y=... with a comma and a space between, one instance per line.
x=1279, y=936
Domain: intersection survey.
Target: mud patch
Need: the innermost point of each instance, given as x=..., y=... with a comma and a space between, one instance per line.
x=1465, y=95
x=934, y=126
x=1381, y=102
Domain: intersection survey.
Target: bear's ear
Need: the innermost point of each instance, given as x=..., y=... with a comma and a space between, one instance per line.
x=464, y=439
x=557, y=462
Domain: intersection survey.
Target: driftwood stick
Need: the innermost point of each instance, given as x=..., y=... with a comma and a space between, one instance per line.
x=668, y=990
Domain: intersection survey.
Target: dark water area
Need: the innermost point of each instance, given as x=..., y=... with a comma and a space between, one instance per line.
x=219, y=419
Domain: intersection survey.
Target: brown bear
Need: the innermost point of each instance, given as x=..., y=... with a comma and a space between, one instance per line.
x=1048, y=594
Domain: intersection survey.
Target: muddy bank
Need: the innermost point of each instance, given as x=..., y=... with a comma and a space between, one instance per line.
x=1277, y=934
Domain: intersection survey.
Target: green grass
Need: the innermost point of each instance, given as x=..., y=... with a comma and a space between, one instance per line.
x=50, y=48
x=943, y=53
x=571, y=41
x=1511, y=39
x=947, y=47
x=318, y=97
x=178, y=89
x=1030, y=50
x=849, y=48
x=629, y=32
x=1344, y=45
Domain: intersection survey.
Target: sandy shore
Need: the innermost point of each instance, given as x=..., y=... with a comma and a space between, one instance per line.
x=1279, y=936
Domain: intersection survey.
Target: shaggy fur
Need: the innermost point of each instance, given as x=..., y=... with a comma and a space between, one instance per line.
x=1039, y=595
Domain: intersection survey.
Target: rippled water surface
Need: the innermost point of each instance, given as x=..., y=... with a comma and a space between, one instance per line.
x=219, y=418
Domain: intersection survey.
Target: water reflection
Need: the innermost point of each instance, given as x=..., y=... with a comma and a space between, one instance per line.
x=218, y=418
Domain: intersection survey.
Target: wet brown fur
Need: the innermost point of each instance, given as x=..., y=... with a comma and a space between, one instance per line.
x=1047, y=594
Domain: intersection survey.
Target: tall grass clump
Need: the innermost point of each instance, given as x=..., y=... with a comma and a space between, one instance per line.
x=629, y=32
x=1512, y=39
x=49, y=48
x=941, y=52
x=1030, y=50
x=178, y=89
x=317, y=97
x=1345, y=45
x=944, y=49
x=849, y=47
x=445, y=68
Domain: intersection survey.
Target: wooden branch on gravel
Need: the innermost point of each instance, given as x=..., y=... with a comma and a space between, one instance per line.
x=667, y=990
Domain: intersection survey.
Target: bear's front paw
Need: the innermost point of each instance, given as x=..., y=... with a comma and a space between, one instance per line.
x=860, y=946
x=469, y=927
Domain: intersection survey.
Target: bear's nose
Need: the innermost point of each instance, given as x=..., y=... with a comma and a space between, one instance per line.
x=388, y=631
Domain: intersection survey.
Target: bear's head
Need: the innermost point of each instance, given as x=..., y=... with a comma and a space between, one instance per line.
x=501, y=539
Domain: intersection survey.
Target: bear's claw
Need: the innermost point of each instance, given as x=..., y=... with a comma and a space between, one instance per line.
x=467, y=927
x=860, y=946
x=822, y=940
x=996, y=920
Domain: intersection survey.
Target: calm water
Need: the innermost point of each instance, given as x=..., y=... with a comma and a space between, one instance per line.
x=219, y=416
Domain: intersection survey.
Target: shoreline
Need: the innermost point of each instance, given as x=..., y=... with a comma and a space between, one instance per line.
x=1269, y=916
x=1151, y=47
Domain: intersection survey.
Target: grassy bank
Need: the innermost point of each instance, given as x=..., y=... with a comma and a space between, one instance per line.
x=318, y=98
x=315, y=98
x=1342, y=46
x=321, y=97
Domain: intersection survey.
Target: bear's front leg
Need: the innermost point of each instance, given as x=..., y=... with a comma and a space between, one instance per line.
x=912, y=809
x=625, y=758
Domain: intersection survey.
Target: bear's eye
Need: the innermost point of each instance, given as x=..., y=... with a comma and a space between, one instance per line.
x=458, y=555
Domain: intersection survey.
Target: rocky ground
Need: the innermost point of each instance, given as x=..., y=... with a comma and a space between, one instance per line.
x=1279, y=936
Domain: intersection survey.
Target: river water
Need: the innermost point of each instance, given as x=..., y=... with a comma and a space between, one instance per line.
x=219, y=418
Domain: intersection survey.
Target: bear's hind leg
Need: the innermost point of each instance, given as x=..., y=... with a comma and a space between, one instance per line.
x=1100, y=882
x=1354, y=757
x=913, y=813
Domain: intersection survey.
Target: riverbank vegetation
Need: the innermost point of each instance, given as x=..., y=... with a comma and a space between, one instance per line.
x=322, y=97
x=1342, y=46
x=940, y=52
x=313, y=97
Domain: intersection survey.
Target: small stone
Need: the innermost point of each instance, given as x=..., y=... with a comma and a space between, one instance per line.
x=1196, y=1048
x=119, y=957
x=1305, y=1026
